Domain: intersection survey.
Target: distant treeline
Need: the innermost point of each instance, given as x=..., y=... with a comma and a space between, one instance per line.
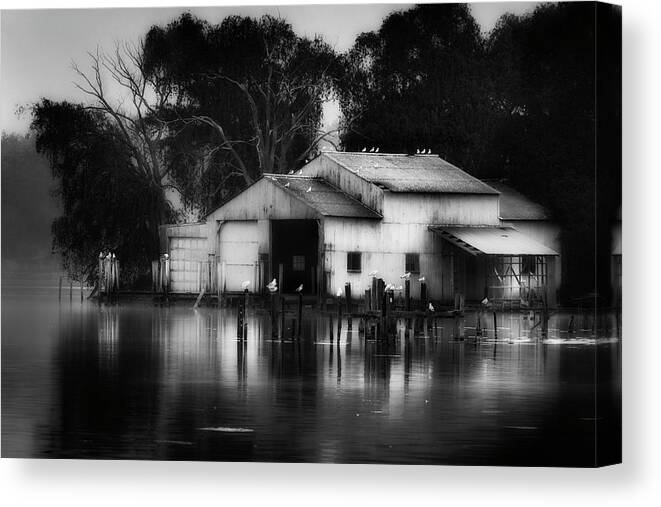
x=211, y=107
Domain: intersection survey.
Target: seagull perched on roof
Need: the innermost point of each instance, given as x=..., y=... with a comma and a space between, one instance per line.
x=428, y=151
x=364, y=149
x=299, y=288
x=244, y=285
x=339, y=293
x=299, y=171
x=485, y=301
x=291, y=172
x=431, y=307
x=377, y=150
x=287, y=184
x=372, y=150
x=309, y=189
x=421, y=279
x=373, y=273
x=273, y=286
x=417, y=151
x=405, y=275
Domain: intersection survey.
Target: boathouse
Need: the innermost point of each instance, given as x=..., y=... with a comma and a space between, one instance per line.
x=344, y=216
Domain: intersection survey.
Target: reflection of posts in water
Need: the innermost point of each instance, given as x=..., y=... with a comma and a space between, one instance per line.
x=495, y=326
x=338, y=302
x=300, y=315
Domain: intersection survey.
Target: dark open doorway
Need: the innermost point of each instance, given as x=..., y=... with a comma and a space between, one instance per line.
x=294, y=254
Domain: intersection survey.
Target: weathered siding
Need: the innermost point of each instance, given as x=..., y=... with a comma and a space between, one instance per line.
x=384, y=247
x=445, y=209
x=354, y=185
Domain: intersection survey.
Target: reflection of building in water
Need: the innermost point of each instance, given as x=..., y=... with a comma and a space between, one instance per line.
x=108, y=337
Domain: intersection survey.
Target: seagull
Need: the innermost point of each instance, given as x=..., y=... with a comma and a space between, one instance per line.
x=309, y=189
x=373, y=273
x=431, y=307
x=306, y=160
x=339, y=293
x=299, y=288
x=428, y=151
x=291, y=172
x=244, y=285
x=166, y=256
x=364, y=149
x=485, y=301
x=372, y=150
x=287, y=184
x=417, y=152
x=421, y=279
x=299, y=171
x=273, y=286
x=377, y=150
x=405, y=276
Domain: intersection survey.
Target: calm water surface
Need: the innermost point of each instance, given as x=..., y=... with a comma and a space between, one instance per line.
x=144, y=382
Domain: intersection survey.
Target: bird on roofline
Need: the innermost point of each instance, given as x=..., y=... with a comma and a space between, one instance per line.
x=339, y=293
x=377, y=150
x=364, y=149
x=309, y=189
x=273, y=286
x=244, y=285
x=373, y=273
x=287, y=184
x=372, y=149
x=299, y=288
x=421, y=279
x=431, y=307
x=406, y=276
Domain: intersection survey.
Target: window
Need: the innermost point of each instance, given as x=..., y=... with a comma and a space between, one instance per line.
x=528, y=265
x=298, y=263
x=412, y=264
x=353, y=262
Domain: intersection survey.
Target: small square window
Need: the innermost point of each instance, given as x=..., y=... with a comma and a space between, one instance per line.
x=353, y=262
x=412, y=263
x=528, y=265
x=298, y=263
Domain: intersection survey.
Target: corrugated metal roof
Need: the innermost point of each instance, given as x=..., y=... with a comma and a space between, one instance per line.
x=492, y=241
x=327, y=199
x=516, y=206
x=410, y=173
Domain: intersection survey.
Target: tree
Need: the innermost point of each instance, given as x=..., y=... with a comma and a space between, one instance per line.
x=249, y=96
x=106, y=204
x=544, y=69
x=419, y=82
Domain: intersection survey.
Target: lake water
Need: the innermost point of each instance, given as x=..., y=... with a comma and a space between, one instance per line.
x=137, y=381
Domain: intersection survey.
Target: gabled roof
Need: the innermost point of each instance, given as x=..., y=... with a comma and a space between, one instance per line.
x=516, y=206
x=319, y=194
x=409, y=173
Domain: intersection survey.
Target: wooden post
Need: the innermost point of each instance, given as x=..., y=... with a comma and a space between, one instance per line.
x=281, y=277
x=349, y=303
x=423, y=296
x=339, y=318
x=81, y=291
x=374, y=296
x=570, y=328
x=239, y=320
x=100, y=280
x=495, y=326
x=70, y=291
x=274, y=315
x=407, y=294
x=59, y=291
x=282, y=316
x=380, y=289
x=368, y=300
x=478, y=325
x=330, y=326
x=300, y=314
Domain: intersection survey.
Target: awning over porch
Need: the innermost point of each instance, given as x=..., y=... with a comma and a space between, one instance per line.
x=492, y=241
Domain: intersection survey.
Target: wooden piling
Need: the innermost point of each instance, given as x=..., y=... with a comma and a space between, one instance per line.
x=70, y=291
x=81, y=292
x=300, y=315
x=274, y=316
x=59, y=291
x=407, y=294
x=282, y=316
x=423, y=296
x=495, y=326
x=368, y=300
x=339, y=318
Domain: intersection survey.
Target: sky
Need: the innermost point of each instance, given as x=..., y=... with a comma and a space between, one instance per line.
x=39, y=46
